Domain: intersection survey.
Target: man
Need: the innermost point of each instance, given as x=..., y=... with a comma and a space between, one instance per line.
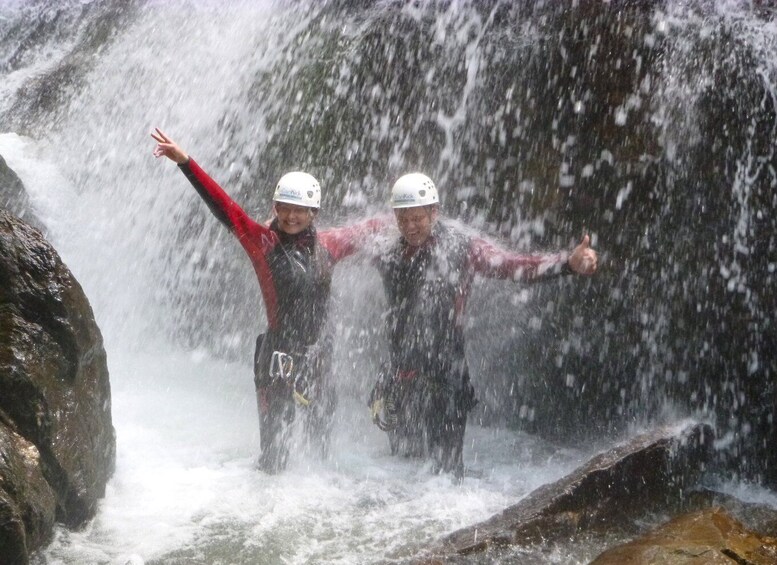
x=423, y=399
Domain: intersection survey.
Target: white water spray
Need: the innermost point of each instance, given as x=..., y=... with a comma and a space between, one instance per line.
x=187, y=434
x=138, y=239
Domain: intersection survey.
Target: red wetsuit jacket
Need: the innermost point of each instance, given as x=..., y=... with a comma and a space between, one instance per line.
x=260, y=241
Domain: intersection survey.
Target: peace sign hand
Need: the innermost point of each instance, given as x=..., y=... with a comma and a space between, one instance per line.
x=166, y=147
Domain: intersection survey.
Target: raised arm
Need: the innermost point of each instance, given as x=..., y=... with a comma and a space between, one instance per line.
x=491, y=261
x=218, y=201
x=347, y=240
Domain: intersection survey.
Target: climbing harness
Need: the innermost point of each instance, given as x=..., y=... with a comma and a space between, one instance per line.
x=384, y=413
x=282, y=368
x=393, y=389
x=384, y=403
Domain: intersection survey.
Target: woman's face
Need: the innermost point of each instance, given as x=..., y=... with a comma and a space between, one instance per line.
x=293, y=219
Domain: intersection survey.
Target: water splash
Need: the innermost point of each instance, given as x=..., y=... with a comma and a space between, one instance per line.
x=650, y=127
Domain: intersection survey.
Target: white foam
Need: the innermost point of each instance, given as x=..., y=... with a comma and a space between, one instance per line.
x=187, y=436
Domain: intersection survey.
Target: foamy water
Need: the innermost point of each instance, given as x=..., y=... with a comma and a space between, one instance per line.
x=186, y=489
x=150, y=257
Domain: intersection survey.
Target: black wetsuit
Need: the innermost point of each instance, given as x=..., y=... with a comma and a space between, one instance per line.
x=427, y=289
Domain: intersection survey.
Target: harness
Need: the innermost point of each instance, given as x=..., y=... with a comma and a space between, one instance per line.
x=384, y=403
x=282, y=368
x=391, y=390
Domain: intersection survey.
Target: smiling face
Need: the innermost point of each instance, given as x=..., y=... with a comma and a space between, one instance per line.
x=415, y=224
x=293, y=219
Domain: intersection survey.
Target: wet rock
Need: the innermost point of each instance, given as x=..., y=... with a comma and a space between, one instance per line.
x=704, y=538
x=27, y=501
x=653, y=470
x=13, y=196
x=89, y=27
x=755, y=516
x=55, y=418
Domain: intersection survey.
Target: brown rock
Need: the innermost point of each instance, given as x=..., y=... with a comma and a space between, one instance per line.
x=700, y=538
x=755, y=516
x=54, y=392
x=27, y=501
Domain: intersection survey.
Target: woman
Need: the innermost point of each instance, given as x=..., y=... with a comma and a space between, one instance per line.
x=293, y=264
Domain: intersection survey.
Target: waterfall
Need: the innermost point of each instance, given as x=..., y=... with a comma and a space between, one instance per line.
x=648, y=125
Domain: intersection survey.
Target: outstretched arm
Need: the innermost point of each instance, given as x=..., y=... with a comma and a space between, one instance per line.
x=345, y=241
x=218, y=201
x=491, y=261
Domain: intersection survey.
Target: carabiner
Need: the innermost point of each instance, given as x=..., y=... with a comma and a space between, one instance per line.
x=281, y=366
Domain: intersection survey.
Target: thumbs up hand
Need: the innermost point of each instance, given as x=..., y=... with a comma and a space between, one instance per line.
x=583, y=259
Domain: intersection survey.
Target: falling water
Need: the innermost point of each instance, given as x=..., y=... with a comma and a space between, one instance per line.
x=651, y=127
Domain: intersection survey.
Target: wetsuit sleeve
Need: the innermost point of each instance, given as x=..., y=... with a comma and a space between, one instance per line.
x=347, y=240
x=490, y=261
x=221, y=205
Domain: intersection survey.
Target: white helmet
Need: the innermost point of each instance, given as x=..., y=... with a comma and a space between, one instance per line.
x=298, y=188
x=413, y=190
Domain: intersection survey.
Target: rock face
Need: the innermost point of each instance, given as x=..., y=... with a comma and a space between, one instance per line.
x=13, y=196
x=653, y=470
x=27, y=501
x=699, y=538
x=57, y=443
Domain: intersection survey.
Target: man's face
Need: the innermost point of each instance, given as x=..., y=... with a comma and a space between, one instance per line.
x=293, y=219
x=415, y=224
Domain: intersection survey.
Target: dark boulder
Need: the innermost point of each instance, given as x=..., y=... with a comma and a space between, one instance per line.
x=55, y=401
x=651, y=471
